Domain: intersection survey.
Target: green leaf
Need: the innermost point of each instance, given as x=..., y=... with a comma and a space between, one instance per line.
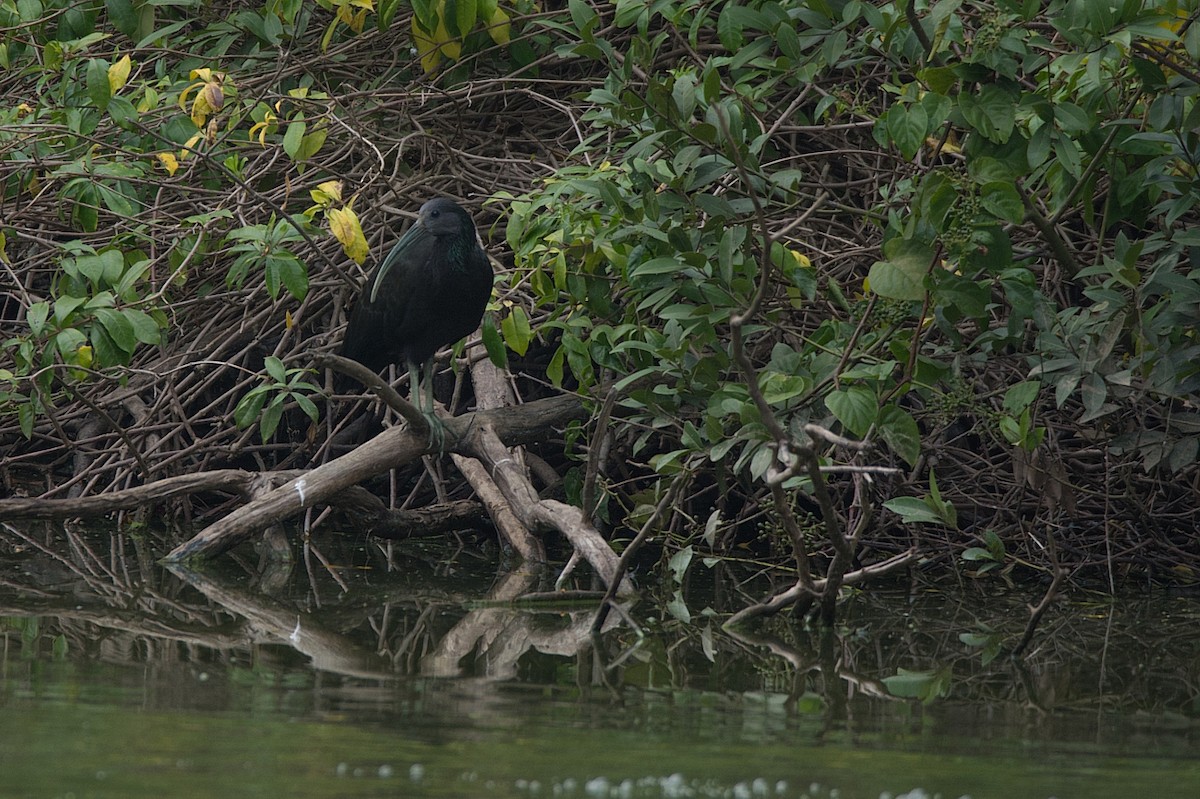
x=118, y=328
x=294, y=275
x=679, y=562
x=308, y=406
x=710, y=527
x=854, y=407
x=992, y=112
x=293, y=137
x=961, y=296
x=679, y=609
x=122, y=16
x=683, y=94
x=275, y=369
x=901, y=278
x=249, y=407
x=36, y=317
x=516, y=330
x=68, y=340
x=907, y=126
x=977, y=553
x=899, y=429
x=940, y=79
x=105, y=350
x=582, y=14
x=1021, y=396
x=465, y=14
x=493, y=343
x=145, y=329
x=104, y=269
x=85, y=212
x=912, y=510
x=923, y=685
x=25, y=414
x=1003, y=200
x=311, y=144
x=98, y=89
x=387, y=12
x=270, y=419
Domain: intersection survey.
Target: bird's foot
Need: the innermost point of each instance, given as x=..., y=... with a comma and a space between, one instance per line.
x=437, y=431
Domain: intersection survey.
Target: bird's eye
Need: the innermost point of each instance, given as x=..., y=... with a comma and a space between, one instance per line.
x=435, y=214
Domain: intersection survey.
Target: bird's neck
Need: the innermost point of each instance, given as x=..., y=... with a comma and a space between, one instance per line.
x=457, y=251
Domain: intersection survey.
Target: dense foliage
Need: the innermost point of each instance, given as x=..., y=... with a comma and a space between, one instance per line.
x=961, y=230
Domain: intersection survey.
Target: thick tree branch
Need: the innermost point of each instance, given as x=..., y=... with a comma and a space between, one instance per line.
x=392, y=447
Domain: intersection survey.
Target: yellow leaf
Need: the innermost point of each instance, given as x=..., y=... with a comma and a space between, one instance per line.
x=190, y=145
x=210, y=97
x=259, y=131
x=428, y=51
x=83, y=356
x=183, y=95
x=3, y=253
x=118, y=74
x=498, y=27
x=328, y=192
x=346, y=228
x=450, y=47
x=169, y=162
x=801, y=259
x=287, y=320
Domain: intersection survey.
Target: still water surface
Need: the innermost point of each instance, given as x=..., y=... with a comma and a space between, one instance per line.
x=415, y=676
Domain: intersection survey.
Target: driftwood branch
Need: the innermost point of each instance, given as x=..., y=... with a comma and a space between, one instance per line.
x=544, y=514
x=233, y=481
x=392, y=447
x=491, y=393
x=801, y=591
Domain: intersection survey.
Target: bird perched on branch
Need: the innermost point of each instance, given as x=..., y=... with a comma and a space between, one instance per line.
x=430, y=291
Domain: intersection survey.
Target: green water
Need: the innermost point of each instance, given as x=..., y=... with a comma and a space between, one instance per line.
x=397, y=679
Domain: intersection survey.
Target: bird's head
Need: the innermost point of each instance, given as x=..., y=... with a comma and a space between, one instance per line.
x=442, y=216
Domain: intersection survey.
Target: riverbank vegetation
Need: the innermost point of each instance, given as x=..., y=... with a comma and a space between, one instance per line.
x=835, y=284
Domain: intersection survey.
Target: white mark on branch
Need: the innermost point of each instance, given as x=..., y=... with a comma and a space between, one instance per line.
x=295, y=636
x=300, y=490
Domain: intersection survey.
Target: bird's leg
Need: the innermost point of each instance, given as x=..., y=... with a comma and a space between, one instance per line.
x=437, y=429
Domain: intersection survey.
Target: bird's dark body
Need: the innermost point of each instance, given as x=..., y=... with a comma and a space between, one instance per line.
x=430, y=291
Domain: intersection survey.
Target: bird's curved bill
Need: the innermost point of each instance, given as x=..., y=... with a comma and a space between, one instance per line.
x=411, y=236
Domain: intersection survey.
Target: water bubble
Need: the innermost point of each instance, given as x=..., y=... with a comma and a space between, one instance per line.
x=597, y=786
x=385, y=771
x=416, y=772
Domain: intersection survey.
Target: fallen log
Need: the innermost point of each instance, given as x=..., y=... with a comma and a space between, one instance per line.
x=232, y=481
x=391, y=448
